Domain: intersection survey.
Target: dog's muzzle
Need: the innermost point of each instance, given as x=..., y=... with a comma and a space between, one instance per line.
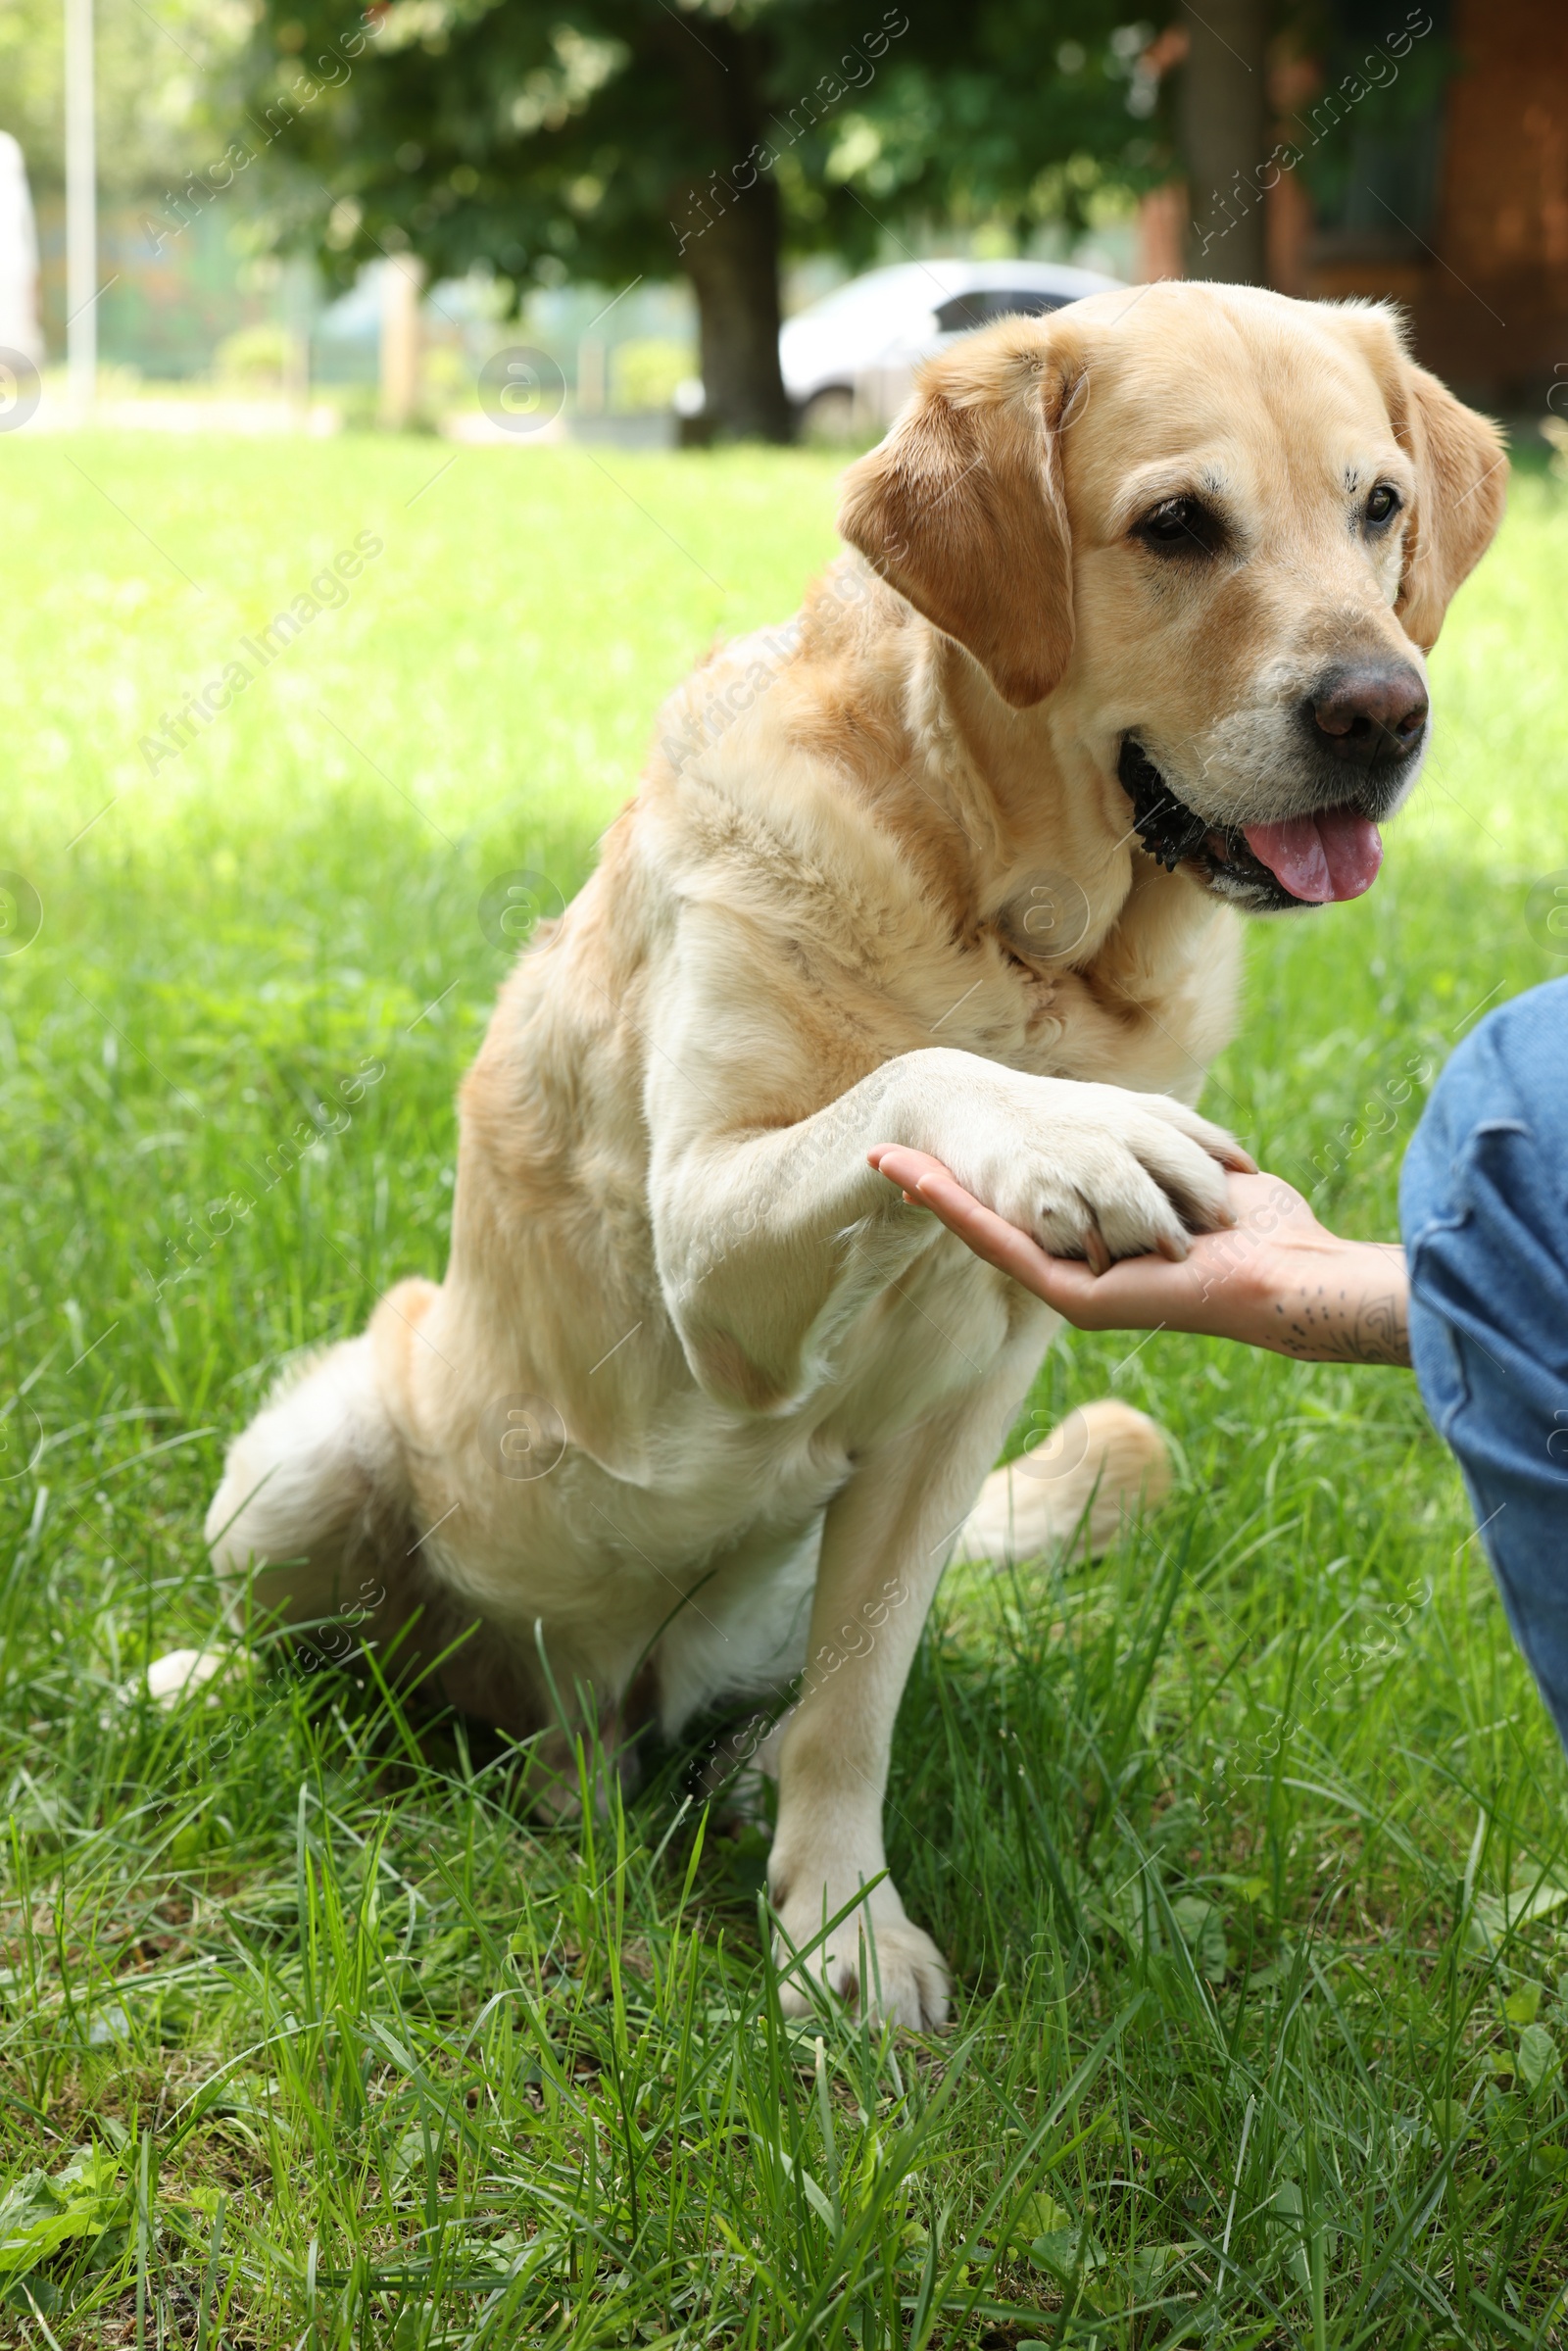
x=1361, y=726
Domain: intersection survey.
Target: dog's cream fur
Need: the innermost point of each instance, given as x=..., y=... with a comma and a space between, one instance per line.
x=700, y=1398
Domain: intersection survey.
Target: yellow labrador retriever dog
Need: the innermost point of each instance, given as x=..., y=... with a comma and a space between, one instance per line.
x=1129, y=640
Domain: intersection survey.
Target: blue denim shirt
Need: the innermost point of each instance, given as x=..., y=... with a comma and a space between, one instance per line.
x=1483, y=1209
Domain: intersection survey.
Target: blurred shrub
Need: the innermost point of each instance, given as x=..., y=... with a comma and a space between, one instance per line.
x=644, y=373
x=254, y=355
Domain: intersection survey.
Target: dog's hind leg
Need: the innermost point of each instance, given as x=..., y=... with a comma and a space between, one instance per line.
x=1095, y=1471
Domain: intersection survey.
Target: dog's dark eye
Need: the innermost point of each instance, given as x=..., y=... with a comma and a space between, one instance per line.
x=1180, y=526
x=1383, y=504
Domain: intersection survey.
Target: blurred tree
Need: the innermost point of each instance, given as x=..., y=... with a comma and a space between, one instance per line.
x=151, y=73
x=1224, y=111
x=611, y=139
x=1019, y=111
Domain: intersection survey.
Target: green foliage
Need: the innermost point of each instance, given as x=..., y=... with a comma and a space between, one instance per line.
x=1244, y=1843
x=43, y=2212
x=151, y=65
x=645, y=372
x=1022, y=111
x=598, y=139
x=253, y=354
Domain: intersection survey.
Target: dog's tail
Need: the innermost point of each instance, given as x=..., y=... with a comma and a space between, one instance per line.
x=315, y=1491
x=315, y=1524
x=1096, y=1470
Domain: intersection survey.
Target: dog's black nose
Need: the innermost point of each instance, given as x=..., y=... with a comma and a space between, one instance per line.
x=1375, y=711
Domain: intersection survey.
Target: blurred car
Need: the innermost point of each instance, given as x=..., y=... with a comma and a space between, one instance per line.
x=848, y=360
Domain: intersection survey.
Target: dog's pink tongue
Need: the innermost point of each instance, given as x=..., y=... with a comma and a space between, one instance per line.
x=1335, y=855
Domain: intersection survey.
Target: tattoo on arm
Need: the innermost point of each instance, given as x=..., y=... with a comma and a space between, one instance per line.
x=1328, y=1330
x=1383, y=1331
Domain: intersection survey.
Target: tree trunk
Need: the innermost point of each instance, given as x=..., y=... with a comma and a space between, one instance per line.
x=731, y=256
x=1225, y=134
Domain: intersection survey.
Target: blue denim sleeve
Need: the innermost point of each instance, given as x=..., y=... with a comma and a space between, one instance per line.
x=1484, y=1210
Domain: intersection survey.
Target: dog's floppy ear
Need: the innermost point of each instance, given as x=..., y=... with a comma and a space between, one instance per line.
x=961, y=509
x=1461, y=467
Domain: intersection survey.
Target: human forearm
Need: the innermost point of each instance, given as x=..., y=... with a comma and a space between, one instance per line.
x=1355, y=1310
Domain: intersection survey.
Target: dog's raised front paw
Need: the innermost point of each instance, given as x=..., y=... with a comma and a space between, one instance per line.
x=1096, y=1172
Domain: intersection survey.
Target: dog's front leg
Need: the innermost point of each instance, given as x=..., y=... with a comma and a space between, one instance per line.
x=884, y=1544
x=772, y=1235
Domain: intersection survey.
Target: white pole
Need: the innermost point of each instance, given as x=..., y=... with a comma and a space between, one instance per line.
x=81, y=210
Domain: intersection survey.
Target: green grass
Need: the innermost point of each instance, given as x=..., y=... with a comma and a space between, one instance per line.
x=310, y=2037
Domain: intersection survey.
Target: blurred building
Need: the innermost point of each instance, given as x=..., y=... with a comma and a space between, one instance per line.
x=1480, y=256
x=1461, y=213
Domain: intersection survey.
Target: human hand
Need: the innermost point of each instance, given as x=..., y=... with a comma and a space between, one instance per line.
x=1275, y=1278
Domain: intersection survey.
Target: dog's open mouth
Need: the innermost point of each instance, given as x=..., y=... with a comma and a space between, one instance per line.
x=1292, y=861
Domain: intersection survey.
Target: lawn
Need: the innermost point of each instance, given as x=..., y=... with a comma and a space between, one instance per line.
x=1248, y=1845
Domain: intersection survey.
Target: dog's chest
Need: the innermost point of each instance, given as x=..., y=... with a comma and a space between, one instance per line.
x=1056, y=988
x=1007, y=1011
x=1002, y=999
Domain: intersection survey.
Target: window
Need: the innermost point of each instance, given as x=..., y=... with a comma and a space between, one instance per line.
x=961, y=311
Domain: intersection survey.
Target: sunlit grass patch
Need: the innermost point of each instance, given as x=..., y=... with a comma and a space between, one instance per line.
x=1246, y=1845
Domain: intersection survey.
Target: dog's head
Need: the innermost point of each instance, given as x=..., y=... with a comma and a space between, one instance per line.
x=1219, y=529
